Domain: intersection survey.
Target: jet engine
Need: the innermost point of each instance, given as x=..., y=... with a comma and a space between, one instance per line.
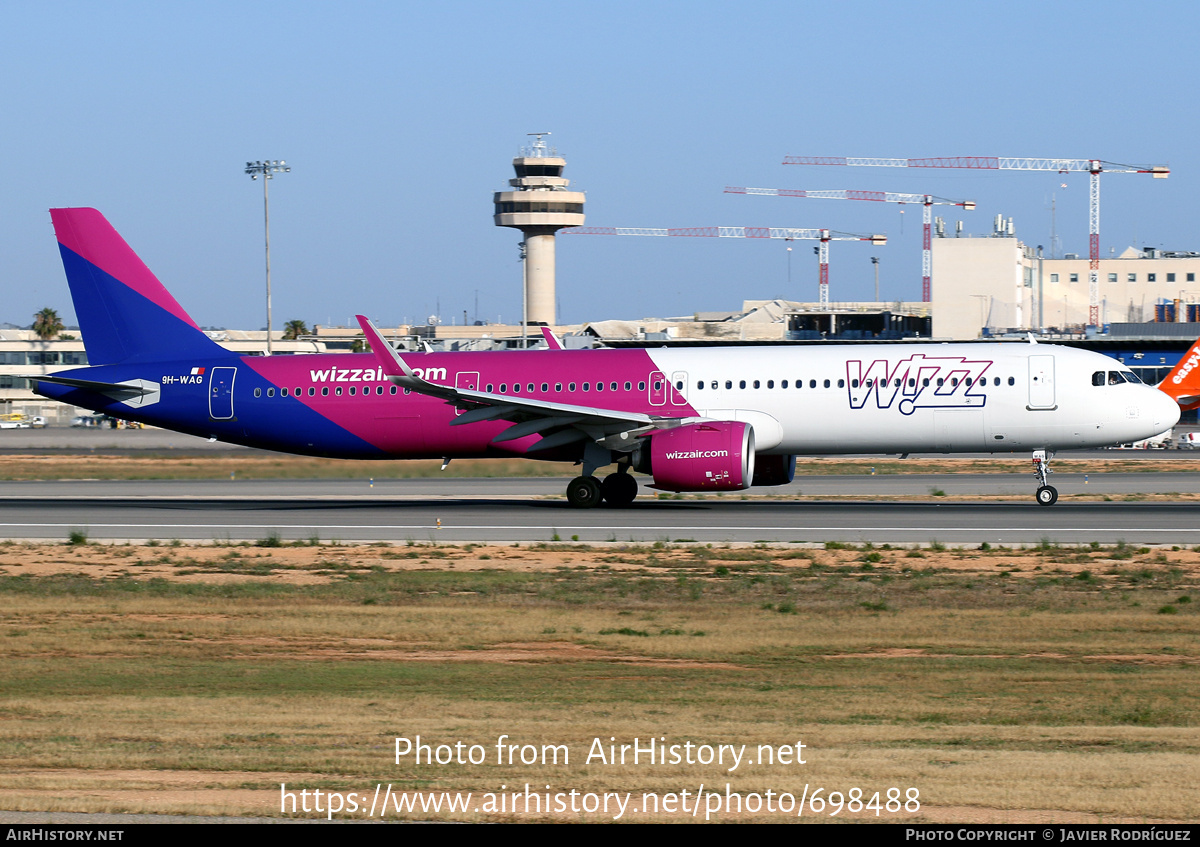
x=774, y=470
x=716, y=456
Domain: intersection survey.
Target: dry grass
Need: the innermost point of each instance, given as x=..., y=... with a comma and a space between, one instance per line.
x=1014, y=685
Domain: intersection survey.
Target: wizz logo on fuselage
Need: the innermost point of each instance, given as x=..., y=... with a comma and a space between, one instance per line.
x=918, y=382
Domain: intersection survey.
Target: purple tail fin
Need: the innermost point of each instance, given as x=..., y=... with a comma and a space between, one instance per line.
x=124, y=312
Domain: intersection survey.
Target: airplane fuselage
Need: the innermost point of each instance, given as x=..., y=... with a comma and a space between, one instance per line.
x=888, y=398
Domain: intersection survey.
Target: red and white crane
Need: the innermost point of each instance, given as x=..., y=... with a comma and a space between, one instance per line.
x=926, y=200
x=1095, y=167
x=824, y=236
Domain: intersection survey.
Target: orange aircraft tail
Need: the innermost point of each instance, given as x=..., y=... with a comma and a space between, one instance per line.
x=1183, y=382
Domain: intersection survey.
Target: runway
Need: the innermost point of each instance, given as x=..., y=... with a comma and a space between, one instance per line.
x=533, y=510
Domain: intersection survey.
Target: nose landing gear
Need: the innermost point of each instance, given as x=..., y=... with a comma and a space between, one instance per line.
x=1047, y=495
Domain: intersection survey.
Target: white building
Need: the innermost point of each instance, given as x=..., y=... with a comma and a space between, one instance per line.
x=1000, y=283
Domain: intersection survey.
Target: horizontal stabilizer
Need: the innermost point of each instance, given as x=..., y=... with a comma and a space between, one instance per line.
x=134, y=392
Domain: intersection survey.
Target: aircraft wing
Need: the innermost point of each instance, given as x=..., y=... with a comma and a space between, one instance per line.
x=558, y=423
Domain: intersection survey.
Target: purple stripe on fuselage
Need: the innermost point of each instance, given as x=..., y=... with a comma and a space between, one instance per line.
x=86, y=233
x=414, y=424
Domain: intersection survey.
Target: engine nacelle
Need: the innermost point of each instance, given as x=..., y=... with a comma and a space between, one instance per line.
x=774, y=470
x=717, y=456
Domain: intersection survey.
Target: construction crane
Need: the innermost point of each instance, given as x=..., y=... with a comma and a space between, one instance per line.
x=926, y=200
x=824, y=236
x=1095, y=167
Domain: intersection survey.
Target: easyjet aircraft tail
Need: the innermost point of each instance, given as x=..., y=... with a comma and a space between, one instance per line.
x=1183, y=382
x=125, y=314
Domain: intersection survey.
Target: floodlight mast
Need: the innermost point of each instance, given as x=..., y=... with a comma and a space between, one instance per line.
x=267, y=171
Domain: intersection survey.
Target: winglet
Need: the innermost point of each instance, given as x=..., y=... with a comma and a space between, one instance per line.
x=552, y=341
x=1183, y=381
x=385, y=353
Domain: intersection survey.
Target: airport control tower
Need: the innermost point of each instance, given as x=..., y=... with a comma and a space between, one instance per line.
x=539, y=206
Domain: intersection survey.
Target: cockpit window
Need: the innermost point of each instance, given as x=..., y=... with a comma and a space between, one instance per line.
x=1098, y=378
x=1119, y=377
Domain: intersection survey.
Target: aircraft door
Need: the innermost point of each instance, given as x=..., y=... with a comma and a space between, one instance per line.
x=658, y=388
x=220, y=393
x=467, y=381
x=679, y=387
x=1041, y=382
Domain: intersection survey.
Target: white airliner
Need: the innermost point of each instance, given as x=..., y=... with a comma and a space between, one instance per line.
x=695, y=419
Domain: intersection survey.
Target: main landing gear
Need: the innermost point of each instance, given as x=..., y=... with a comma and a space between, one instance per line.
x=618, y=489
x=1047, y=495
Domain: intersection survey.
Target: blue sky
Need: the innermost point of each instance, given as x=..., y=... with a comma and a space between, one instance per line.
x=400, y=120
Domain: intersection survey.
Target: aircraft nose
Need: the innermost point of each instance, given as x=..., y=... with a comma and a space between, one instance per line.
x=1164, y=411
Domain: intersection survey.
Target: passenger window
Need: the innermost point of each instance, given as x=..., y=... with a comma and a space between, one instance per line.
x=812, y=383
x=642, y=386
x=599, y=386
x=996, y=381
x=1098, y=378
x=571, y=387
x=516, y=388
x=1012, y=381
x=700, y=384
x=679, y=385
x=854, y=383
x=393, y=390
x=729, y=383
x=351, y=391
x=841, y=383
x=912, y=383
x=925, y=382
x=545, y=387
x=742, y=384
x=784, y=384
x=940, y=382
x=613, y=386
x=283, y=392
x=558, y=386
x=771, y=383
x=325, y=391
x=629, y=386
x=826, y=383
x=270, y=392
x=714, y=385
x=530, y=386
x=503, y=388
x=258, y=392
x=756, y=383
x=489, y=388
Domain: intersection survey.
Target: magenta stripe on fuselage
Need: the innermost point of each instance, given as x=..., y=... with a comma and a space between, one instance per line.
x=87, y=234
x=416, y=424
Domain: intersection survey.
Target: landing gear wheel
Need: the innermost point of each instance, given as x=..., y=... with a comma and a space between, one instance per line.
x=619, y=489
x=1047, y=495
x=583, y=492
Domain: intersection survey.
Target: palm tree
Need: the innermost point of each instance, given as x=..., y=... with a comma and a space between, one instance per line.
x=46, y=324
x=294, y=329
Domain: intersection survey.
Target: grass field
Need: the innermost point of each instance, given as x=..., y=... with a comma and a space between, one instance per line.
x=1047, y=684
